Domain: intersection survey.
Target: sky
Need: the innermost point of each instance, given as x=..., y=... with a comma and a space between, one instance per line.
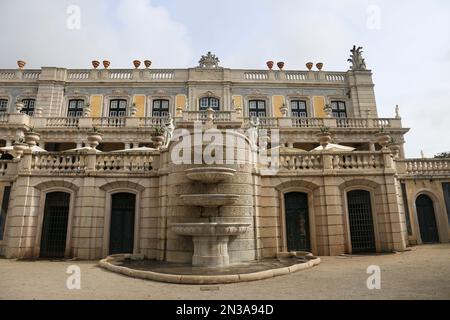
x=406, y=43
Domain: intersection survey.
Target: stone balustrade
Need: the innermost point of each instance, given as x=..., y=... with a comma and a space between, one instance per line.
x=338, y=162
x=79, y=163
x=424, y=167
x=191, y=116
x=8, y=168
x=128, y=75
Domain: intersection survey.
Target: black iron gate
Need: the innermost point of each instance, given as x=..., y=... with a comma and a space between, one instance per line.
x=54, y=227
x=427, y=219
x=362, y=233
x=297, y=221
x=121, y=238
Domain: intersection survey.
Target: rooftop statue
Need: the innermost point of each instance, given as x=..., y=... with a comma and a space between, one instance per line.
x=209, y=61
x=358, y=62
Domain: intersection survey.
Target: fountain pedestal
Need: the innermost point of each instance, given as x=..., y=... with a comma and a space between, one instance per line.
x=210, y=241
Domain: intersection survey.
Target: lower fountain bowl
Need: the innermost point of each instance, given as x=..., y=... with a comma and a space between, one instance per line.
x=210, y=229
x=209, y=200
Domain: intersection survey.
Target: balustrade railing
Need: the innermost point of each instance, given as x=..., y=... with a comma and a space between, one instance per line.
x=424, y=166
x=4, y=117
x=78, y=163
x=356, y=160
x=299, y=122
x=68, y=122
x=124, y=163
x=109, y=122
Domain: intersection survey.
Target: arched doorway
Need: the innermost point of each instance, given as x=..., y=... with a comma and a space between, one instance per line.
x=54, y=227
x=362, y=234
x=427, y=219
x=297, y=221
x=121, y=239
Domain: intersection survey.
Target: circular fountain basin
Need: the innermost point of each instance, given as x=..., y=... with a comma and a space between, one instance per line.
x=209, y=200
x=210, y=228
x=210, y=174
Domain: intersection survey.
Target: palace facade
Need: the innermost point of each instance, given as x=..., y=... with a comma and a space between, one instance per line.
x=127, y=195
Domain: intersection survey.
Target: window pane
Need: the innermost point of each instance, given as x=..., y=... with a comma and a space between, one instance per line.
x=3, y=105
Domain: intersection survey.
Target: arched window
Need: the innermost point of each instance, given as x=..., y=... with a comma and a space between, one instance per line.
x=209, y=102
x=160, y=108
x=3, y=105
x=118, y=108
x=75, y=109
x=28, y=106
x=298, y=108
x=339, y=109
x=257, y=108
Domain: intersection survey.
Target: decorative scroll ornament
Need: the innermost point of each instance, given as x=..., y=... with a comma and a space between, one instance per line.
x=209, y=61
x=358, y=62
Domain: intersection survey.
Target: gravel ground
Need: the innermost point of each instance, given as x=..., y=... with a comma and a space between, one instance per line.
x=422, y=273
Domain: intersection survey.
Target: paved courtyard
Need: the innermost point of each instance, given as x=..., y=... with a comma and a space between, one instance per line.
x=422, y=273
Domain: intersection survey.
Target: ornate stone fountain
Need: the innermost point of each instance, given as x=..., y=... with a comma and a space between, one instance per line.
x=210, y=238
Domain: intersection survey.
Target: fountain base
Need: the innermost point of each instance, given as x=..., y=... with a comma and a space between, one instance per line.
x=210, y=241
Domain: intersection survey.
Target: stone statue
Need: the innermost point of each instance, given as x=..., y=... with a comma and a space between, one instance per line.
x=209, y=61
x=397, y=112
x=358, y=62
x=168, y=132
x=253, y=131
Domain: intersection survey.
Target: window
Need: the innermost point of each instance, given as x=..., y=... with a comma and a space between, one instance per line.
x=209, y=102
x=257, y=108
x=3, y=105
x=160, y=108
x=339, y=109
x=298, y=108
x=75, y=109
x=28, y=106
x=118, y=108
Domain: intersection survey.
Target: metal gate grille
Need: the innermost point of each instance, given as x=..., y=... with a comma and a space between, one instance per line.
x=122, y=223
x=297, y=222
x=54, y=229
x=360, y=220
x=427, y=219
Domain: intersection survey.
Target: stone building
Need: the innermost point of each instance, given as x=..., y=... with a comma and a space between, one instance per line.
x=128, y=195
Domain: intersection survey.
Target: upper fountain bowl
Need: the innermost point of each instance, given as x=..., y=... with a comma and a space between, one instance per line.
x=210, y=174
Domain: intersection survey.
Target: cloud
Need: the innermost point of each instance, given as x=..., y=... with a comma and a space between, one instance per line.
x=409, y=54
x=120, y=31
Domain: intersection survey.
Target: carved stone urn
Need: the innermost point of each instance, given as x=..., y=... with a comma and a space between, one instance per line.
x=133, y=110
x=21, y=64
x=328, y=110
x=309, y=65
x=87, y=110
x=284, y=110
x=106, y=64
x=395, y=148
x=95, y=64
x=280, y=65
x=270, y=64
x=147, y=63
x=19, y=147
x=383, y=139
x=136, y=64
x=94, y=138
x=324, y=138
x=158, y=137
x=32, y=138
x=19, y=106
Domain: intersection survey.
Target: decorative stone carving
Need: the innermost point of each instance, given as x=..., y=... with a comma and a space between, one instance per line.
x=169, y=128
x=358, y=62
x=209, y=61
x=397, y=112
